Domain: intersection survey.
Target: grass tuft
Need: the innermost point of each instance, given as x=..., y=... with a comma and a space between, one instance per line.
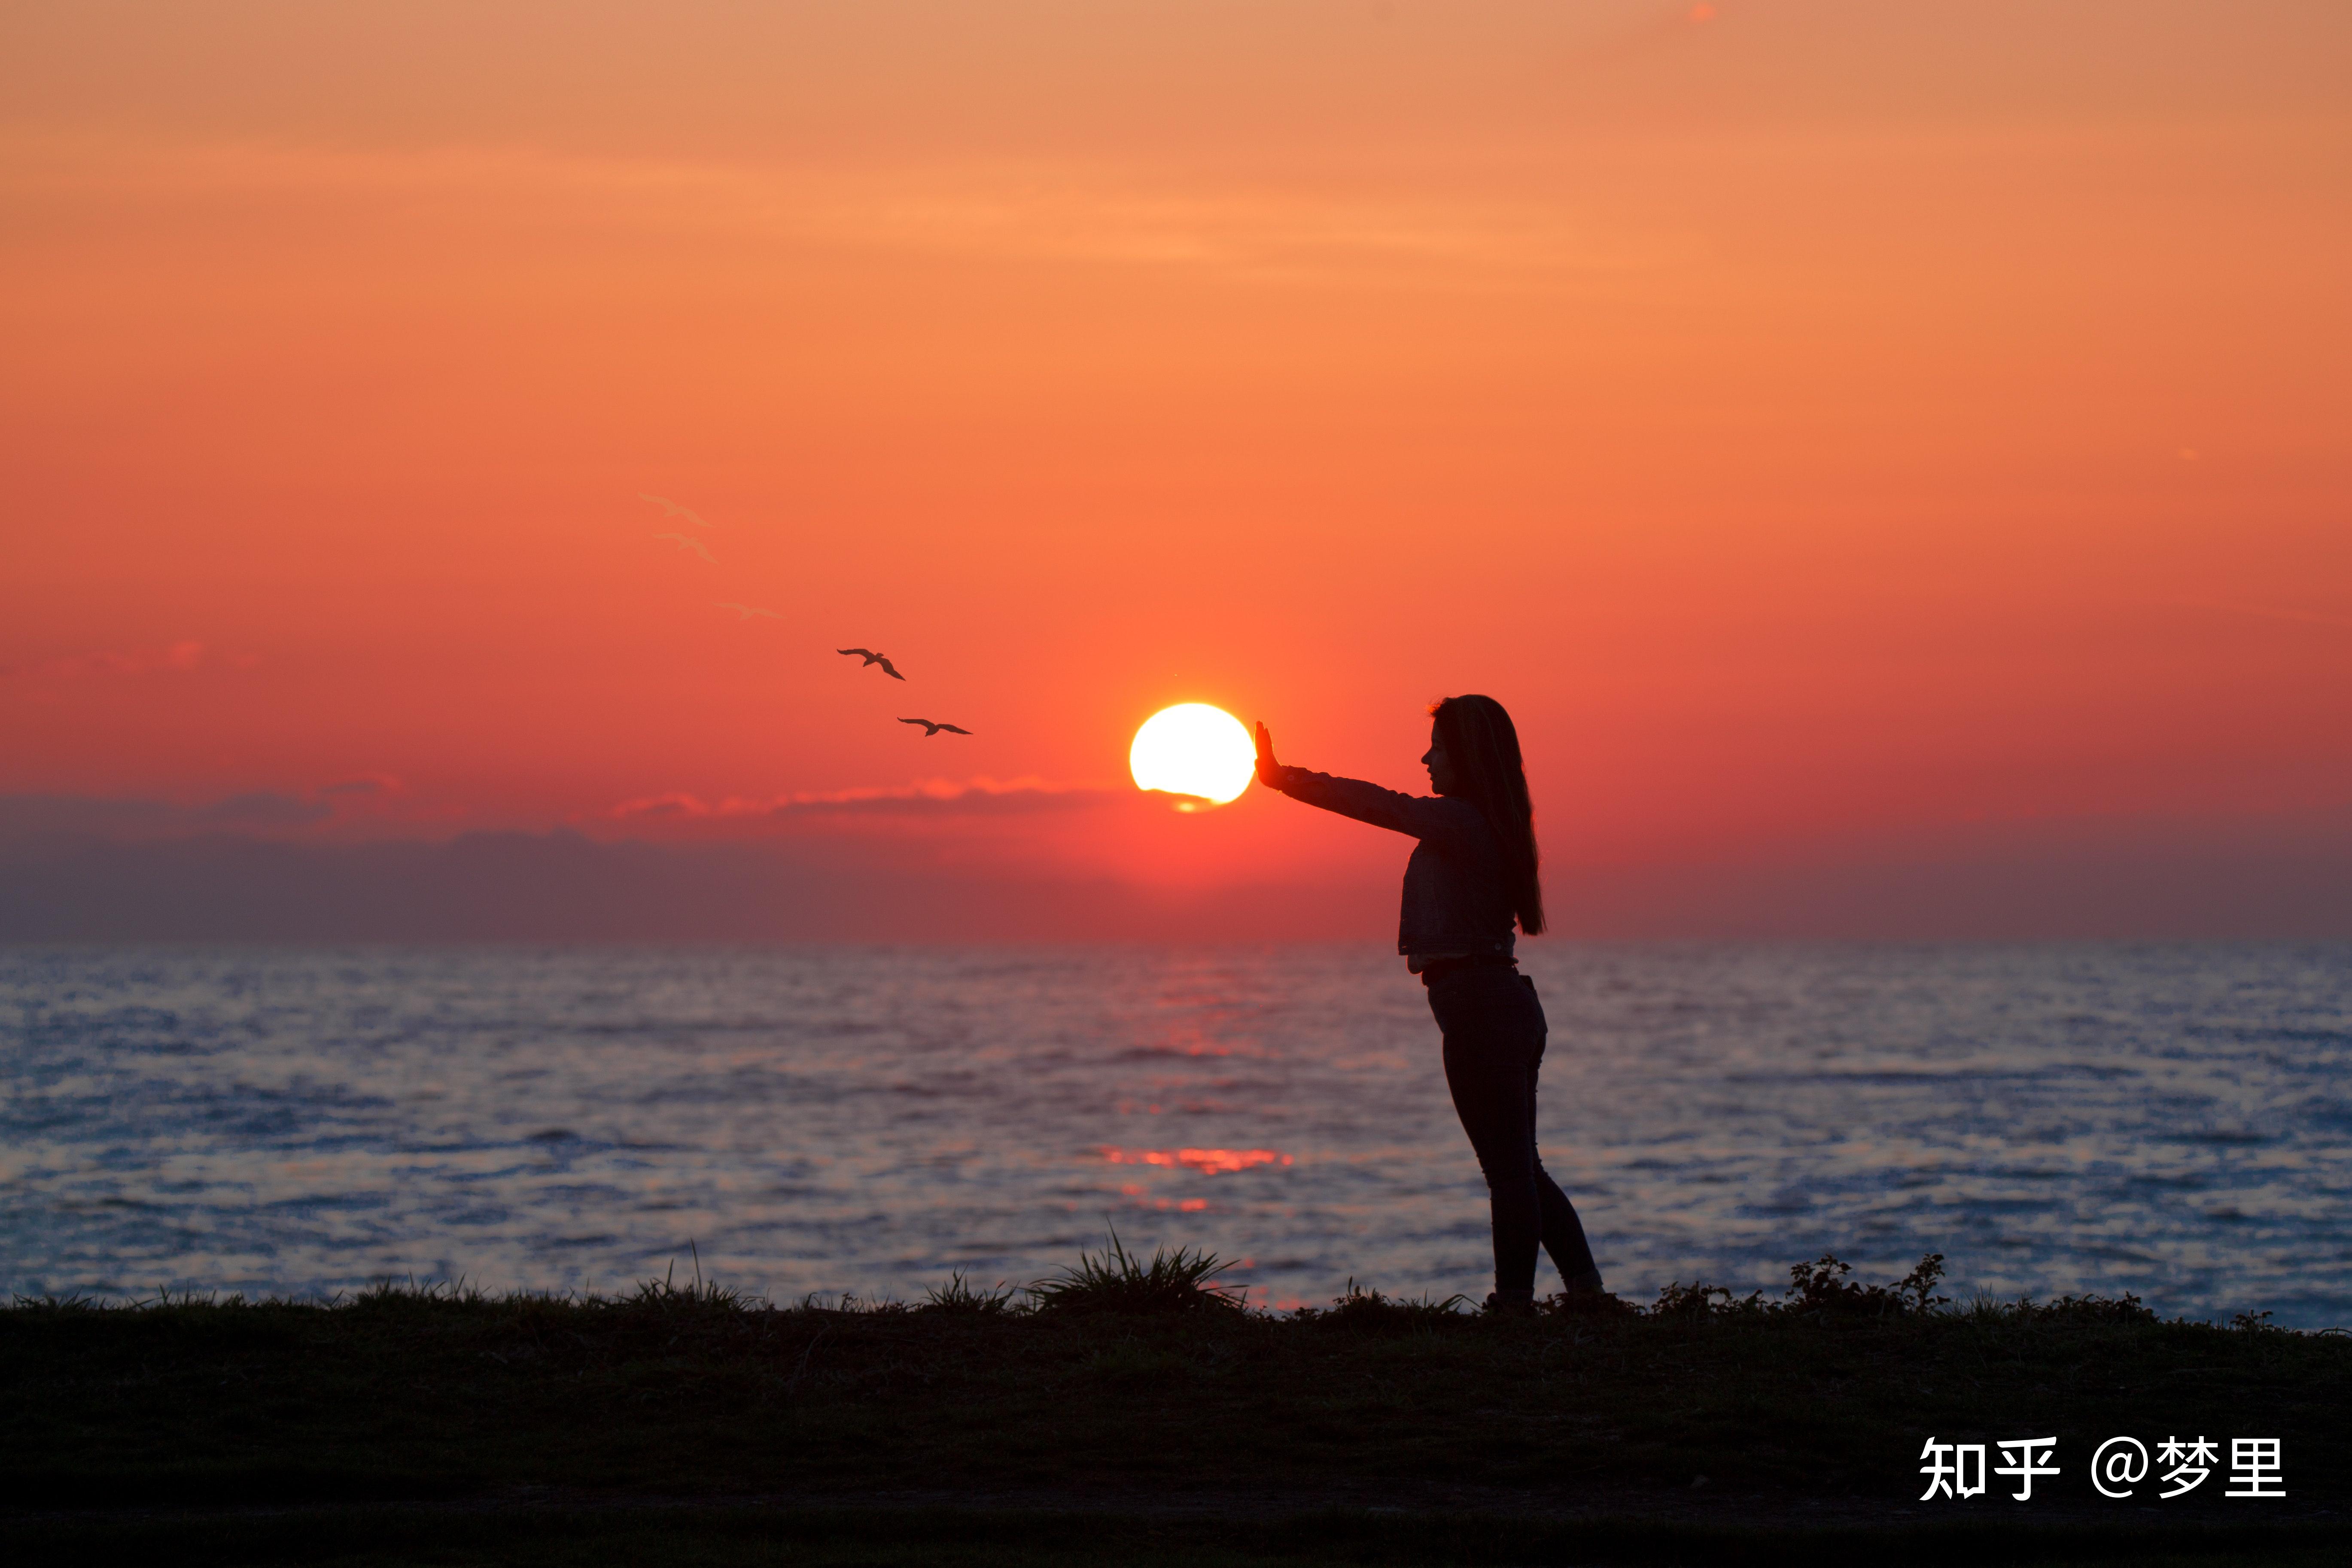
x=405, y=1298
x=1116, y=1281
x=960, y=1295
x=1369, y=1311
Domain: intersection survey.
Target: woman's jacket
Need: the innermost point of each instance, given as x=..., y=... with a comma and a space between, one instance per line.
x=1457, y=897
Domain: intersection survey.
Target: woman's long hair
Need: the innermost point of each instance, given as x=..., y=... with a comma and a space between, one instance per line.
x=1483, y=746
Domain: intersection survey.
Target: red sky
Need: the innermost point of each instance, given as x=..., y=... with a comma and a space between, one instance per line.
x=1825, y=425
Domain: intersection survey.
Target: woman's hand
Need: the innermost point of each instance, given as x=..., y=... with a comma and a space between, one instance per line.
x=1270, y=772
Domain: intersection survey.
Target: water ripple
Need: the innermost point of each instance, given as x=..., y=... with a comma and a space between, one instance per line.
x=2169, y=1121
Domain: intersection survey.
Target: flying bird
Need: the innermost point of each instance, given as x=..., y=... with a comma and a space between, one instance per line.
x=882, y=659
x=684, y=543
x=930, y=729
x=749, y=611
x=671, y=509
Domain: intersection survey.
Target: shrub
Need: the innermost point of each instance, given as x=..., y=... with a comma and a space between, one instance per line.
x=1681, y=1300
x=1823, y=1287
x=1817, y=1289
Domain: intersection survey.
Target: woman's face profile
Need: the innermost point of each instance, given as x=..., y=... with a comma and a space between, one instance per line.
x=1440, y=765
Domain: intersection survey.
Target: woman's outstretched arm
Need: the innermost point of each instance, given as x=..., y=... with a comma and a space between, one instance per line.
x=1422, y=816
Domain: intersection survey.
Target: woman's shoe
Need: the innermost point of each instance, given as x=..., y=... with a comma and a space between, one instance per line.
x=1512, y=1303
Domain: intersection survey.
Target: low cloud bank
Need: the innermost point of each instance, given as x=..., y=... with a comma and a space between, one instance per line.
x=200, y=882
x=933, y=798
x=564, y=887
x=134, y=661
x=32, y=820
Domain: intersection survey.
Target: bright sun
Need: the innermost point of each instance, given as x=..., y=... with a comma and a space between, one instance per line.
x=1193, y=749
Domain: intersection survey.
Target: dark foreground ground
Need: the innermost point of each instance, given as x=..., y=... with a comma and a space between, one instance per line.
x=685, y=1427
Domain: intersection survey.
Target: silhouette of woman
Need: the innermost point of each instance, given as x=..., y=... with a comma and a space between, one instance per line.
x=1472, y=872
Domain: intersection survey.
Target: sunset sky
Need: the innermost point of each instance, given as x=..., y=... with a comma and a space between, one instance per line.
x=1843, y=434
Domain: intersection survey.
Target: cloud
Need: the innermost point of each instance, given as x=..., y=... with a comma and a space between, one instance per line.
x=563, y=886
x=367, y=785
x=1059, y=210
x=679, y=806
x=929, y=798
x=1288, y=235
x=179, y=655
x=37, y=818
x=263, y=808
x=25, y=816
x=2148, y=880
x=979, y=797
x=2268, y=612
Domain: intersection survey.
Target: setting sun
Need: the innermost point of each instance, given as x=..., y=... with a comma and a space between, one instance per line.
x=1193, y=749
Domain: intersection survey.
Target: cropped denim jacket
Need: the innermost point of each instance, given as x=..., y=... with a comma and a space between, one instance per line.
x=1457, y=896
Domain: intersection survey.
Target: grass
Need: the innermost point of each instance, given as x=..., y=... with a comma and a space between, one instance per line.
x=1124, y=1386
x=840, y=1538
x=1114, y=1280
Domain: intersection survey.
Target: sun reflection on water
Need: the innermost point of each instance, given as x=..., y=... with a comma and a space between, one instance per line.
x=1208, y=1162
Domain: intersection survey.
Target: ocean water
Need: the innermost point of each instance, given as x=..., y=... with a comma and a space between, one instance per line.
x=2170, y=1120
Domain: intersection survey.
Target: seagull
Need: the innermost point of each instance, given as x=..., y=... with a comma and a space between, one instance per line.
x=684, y=543
x=671, y=509
x=930, y=729
x=749, y=611
x=882, y=659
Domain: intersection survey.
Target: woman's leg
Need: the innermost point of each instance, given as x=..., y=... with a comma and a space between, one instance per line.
x=1563, y=1232
x=1487, y=1102
x=1490, y=1056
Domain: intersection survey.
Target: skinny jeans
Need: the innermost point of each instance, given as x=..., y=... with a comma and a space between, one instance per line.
x=1495, y=1030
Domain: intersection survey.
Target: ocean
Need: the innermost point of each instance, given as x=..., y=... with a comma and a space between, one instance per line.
x=2174, y=1122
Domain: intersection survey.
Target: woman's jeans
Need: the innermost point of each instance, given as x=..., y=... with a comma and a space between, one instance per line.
x=1495, y=1029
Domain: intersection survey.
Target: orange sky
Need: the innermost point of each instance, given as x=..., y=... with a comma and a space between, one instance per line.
x=1816, y=421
